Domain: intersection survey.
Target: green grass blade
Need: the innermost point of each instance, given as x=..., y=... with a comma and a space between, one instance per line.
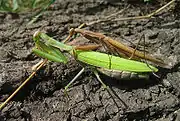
x=5, y=7
x=15, y=5
x=21, y=6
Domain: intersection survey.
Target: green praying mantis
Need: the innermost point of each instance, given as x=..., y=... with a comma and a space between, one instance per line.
x=52, y=49
x=112, y=66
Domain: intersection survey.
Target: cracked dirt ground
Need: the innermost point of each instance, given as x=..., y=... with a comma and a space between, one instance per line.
x=43, y=99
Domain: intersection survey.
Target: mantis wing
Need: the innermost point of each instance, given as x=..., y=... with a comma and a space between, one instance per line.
x=113, y=62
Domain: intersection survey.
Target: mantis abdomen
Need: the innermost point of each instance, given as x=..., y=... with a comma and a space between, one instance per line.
x=123, y=75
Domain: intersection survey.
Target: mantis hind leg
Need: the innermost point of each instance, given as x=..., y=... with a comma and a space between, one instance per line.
x=109, y=90
x=132, y=55
x=99, y=79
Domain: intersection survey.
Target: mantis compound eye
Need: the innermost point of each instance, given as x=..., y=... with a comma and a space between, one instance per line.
x=71, y=31
x=36, y=34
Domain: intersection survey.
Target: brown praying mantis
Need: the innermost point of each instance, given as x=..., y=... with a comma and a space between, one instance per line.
x=116, y=47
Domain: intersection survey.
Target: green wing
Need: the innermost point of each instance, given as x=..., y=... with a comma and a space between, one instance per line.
x=113, y=62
